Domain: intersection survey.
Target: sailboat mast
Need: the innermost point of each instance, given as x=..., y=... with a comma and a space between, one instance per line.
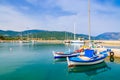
x=74, y=32
x=89, y=24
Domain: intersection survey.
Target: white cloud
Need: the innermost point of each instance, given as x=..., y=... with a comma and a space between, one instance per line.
x=11, y=19
x=104, y=18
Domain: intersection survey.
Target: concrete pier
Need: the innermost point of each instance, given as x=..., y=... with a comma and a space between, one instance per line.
x=116, y=51
x=113, y=59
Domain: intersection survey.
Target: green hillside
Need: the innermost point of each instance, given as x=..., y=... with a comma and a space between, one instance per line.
x=54, y=35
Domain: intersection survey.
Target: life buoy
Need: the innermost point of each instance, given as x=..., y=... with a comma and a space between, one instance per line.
x=111, y=53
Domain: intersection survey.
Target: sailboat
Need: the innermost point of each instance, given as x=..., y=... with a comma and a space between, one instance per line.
x=21, y=38
x=89, y=56
x=78, y=41
x=66, y=38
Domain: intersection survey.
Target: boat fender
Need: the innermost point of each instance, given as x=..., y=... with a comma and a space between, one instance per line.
x=77, y=51
x=80, y=50
x=111, y=53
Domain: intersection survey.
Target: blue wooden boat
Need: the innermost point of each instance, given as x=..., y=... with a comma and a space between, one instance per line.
x=89, y=58
x=87, y=68
x=90, y=70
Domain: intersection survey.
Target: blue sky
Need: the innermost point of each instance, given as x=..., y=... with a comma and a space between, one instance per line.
x=60, y=15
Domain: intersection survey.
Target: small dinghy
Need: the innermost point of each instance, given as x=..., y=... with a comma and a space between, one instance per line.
x=64, y=54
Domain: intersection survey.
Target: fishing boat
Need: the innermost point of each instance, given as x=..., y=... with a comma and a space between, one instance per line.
x=64, y=54
x=86, y=68
x=90, y=57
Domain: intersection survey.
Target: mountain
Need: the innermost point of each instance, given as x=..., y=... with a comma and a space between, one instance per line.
x=32, y=31
x=60, y=35
x=16, y=33
x=85, y=36
x=109, y=36
x=9, y=33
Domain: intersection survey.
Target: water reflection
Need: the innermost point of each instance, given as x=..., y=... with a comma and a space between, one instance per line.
x=89, y=70
x=73, y=46
x=60, y=60
x=111, y=58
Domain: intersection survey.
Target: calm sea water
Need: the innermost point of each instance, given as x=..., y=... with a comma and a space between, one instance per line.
x=35, y=62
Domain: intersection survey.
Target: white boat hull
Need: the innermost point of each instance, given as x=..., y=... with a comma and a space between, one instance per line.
x=72, y=63
x=77, y=41
x=63, y=55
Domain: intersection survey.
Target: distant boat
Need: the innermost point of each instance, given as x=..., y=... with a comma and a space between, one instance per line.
x=20, y=41
x=79, y=41
x=67, y=41
x=23, y=41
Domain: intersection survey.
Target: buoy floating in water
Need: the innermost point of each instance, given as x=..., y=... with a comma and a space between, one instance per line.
x=11, y=49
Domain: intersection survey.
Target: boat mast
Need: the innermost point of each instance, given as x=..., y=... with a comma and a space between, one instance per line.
x=74, y=32
x=21, y=37
x=89, y=24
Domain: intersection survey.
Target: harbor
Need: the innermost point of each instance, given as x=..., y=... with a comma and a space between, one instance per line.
x=28, y=62
x=59, y=40
x=100, y=42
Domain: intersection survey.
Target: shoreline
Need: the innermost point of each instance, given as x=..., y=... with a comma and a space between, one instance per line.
x=101, y=42
x=109, y=42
